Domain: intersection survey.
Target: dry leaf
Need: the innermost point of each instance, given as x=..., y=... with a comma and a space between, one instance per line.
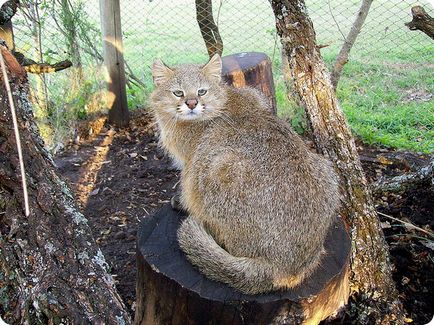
x=383, y=160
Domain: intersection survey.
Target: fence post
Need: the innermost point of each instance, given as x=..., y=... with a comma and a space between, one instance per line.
x=114, y=62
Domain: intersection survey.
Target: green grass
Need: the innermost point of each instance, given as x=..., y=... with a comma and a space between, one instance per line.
x=386, y=104
x=381, y=107
x=387, y=64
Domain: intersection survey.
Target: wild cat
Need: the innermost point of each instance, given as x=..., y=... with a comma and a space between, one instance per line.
x=259, y=202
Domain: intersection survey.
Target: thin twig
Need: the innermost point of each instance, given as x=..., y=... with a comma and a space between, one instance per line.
x=218, y=12
x=408, y=224
x=334, y=19
x=17, y=134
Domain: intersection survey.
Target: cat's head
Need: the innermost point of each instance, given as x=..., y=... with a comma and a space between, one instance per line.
x=188, y=92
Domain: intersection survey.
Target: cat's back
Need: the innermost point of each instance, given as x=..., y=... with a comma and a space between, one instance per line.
x=248, y=126
x=248, y=134
x=252, y=163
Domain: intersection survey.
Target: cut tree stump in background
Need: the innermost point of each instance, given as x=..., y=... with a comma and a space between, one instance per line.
x=169, y=290
x=250, y=69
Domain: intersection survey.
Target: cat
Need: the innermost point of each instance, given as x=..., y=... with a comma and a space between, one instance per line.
x=259, y=202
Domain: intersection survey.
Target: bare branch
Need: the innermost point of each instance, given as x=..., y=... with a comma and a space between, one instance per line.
x=342, y=57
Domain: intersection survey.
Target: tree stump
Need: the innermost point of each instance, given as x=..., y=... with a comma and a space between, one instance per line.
x=171, y=291
x=250, y=69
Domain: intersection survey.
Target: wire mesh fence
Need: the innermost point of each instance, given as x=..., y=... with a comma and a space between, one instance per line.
x=51, y=31
x=383, y=32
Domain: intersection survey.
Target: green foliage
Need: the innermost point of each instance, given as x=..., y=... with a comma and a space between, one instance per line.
x=385, y=95
x=137, y=97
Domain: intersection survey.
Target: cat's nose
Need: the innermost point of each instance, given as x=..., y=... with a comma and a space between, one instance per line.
x=191, y=103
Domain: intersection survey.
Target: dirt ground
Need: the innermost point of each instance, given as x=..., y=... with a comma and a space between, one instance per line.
x=122, y=176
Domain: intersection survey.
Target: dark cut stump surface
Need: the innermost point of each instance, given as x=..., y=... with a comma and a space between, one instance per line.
x=170, y=290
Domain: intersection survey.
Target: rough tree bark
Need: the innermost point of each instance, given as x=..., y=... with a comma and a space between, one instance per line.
x=374, y=297
x=7, y=11
x=421, y=21
x=208, y=28
x=51, y=270
x=342, y=57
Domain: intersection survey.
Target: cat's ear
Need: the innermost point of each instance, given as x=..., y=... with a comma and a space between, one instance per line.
x=161, y=72
x=213, y=69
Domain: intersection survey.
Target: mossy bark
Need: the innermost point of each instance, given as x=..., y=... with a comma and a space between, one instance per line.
x=51, y=270
x=374, y=297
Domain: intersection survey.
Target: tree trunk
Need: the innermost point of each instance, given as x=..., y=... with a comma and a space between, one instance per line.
x=374, y=295
x=342, y=57
x=41, y=93
x=7, y=11
x=51, y=270
x=116, y=96
x=208, y=27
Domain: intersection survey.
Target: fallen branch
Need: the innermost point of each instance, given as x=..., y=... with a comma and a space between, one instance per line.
x=408, y=224
x=405, y=181
x=421, y=21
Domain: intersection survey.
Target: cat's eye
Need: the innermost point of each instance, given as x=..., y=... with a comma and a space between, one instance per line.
x=202, y=92
x=178, y=93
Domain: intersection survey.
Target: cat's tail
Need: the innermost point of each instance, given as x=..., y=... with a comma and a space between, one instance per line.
x=248, y=275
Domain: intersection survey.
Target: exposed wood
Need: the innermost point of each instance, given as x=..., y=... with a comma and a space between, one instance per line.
x=403, y=182
x=208, y=27
x=33, y=67
x=39, y=68
x=51, y=269
x=114, y=62
x=171, y=291
x=250, y=69
x=7, y=35
x=421, y=21
x=342, y=57
x=374, y=296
